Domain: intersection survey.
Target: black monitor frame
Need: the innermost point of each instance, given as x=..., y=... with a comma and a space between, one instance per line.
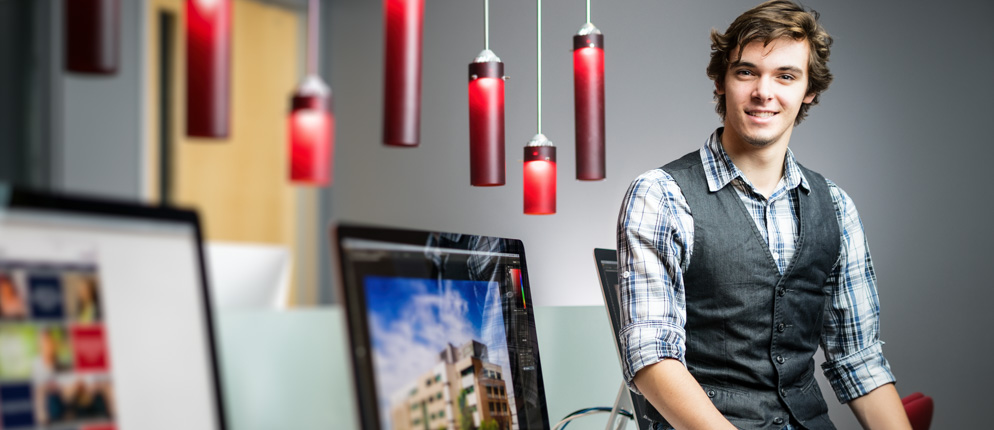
x=105, y=207
x=613, y=307
x=353, y=300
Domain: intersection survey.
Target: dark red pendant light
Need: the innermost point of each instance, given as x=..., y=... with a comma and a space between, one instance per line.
x=540, y=176
x=540, y=154
x=402, y=72
x=486, y=113
x=312, y=121
x=486, y=120
x=588, y=97
x=312, y=134
x=208, y=68
x=92, y=34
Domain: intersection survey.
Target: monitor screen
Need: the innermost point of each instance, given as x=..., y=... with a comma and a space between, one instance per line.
x=607, y=268
x=442, y=330
x=104, y=320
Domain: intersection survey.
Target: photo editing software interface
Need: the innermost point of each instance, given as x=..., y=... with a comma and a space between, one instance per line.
x=451, y=331
x=102, y=324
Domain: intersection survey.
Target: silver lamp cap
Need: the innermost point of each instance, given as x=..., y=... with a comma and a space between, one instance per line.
x=486, y=56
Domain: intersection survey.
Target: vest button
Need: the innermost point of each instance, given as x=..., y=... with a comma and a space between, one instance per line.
x=783, y=392
x=780, y=359
x=781, y=292
x=711, y=393
x=778, y=421
x=781, y=327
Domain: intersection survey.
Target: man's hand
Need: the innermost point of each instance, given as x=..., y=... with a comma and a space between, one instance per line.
x=881, y=409
x=675, y=393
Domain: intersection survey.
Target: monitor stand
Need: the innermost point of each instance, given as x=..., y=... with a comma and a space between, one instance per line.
x=622, y=401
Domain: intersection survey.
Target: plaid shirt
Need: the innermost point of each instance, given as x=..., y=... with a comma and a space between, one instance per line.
x=655, y=244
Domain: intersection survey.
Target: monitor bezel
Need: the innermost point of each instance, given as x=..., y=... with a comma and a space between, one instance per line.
x=354, y=303
x=107, y=207
x=600, y=256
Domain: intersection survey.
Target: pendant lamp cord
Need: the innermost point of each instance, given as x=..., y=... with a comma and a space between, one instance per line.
x=588, y=11
x=539, y=62
x=486, y=24
x=313, y=9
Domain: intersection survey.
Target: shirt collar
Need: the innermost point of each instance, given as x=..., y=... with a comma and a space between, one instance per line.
x=720, y=171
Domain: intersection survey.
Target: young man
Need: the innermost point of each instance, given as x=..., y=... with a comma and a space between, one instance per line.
x=737, y=262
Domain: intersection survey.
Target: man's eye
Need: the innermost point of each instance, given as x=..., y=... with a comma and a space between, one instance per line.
x=787, y=77
x=743, y=73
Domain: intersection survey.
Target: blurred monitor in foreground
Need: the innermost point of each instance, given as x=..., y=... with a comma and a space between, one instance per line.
x=104, y=317
x=441, y=329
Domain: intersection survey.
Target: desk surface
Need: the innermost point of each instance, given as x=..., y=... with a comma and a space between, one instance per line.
x=289, y=369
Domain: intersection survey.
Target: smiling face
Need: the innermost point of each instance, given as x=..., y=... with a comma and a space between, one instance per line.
x=764, y=90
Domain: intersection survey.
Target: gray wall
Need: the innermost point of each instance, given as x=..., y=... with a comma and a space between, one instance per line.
x=98, y=146
x=903, y=130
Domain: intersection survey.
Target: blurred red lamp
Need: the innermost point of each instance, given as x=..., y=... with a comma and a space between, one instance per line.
x=540, y=176
x=208, y=68
x=402, y=72
x=92, y=31
x=486, y=120
x=588, y=96
x=312, y=133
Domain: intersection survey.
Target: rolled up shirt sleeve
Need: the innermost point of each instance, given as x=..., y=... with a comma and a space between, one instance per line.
x=655, y=230
x=855, y=364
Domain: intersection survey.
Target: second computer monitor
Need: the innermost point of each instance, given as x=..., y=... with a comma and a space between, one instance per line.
x=442, y=330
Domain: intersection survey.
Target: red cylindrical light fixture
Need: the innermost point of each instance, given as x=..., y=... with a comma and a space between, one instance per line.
x=402, y=72
x=92, y=31
x=312, y=134
x=208, y=68
x=588, y=98
x=540, y=176
x=486, y=120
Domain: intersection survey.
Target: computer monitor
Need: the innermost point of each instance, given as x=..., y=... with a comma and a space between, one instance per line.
x=105, y=318
x=607, y=268
x=441, y=329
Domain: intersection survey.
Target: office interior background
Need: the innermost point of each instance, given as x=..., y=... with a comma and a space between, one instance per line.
x=904, y=129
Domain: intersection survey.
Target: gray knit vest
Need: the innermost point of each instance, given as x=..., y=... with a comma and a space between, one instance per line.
x=752, y=332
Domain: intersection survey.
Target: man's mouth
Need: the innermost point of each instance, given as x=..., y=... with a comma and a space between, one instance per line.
x=761, y=114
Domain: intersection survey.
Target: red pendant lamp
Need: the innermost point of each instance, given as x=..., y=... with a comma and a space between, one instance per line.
x=402, y=72
x=208, y=68
x=540, y=155
x=588, y=97
x=92, y=30
x=486, y=114
x=540, y=176
x=312, y=121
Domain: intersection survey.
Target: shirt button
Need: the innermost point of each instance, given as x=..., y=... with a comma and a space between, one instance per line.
x=625, y=274
x=778, y=421
x=780, y=359
x=711, y=393
x=776, y=256
x=781, y=327
x=780, y=292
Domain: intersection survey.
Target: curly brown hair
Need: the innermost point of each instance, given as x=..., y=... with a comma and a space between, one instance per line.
x=768, y=22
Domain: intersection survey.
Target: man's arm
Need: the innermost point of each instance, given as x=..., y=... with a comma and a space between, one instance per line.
x=676, y=394
x=654, y=238
x=855, y=364
x=881, y=409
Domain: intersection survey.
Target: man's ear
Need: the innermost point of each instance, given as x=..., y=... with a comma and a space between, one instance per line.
x=719, y=89
x=809, y=98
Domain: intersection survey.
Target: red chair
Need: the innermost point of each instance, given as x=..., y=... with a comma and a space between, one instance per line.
x=919, y=409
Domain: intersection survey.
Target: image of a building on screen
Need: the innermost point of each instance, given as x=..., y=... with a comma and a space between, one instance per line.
x=463, y=391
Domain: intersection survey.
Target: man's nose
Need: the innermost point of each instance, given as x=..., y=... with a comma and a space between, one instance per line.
x=763, y=90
